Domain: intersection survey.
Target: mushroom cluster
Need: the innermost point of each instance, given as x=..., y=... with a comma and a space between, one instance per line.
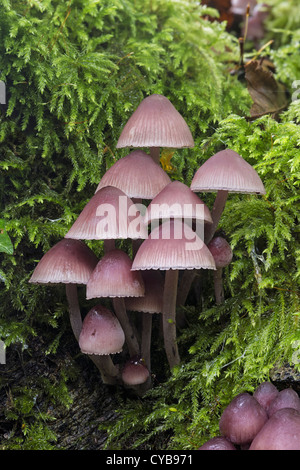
x=171, y=235
x=268, y=419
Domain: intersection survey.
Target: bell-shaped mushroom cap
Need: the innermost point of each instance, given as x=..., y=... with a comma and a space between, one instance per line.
x=156, y=123
x=67, y=262
x=109, y=215
x=265, y=393
x=280, y=432
x=135, y=372
x=112, y=277
x=228, y=171
x=176, y=200
x=286, y=398
x=137, y=175
x=173, y=245
x=221, y=251
x=218, y=443
x=101, y=332
x=152, y=302
x=242, y=419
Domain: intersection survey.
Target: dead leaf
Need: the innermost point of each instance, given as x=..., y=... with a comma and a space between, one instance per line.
x=268, y=95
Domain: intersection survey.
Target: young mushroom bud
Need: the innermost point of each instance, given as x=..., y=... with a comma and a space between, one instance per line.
x=101, y=332
x=135, y=371
x=218, y=443
x=265, y=393
x=280, y=432
x=222, y=254
x=242, y=419
x=287, y=398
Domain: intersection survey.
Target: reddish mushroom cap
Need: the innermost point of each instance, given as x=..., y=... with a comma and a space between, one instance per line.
x=221, y=251
x=228, y=171
x=137, y=175
x=135, y=372
x=218, y=443
x=280, y=432
x=112, y=277
x=286, y=398
x=108, y=215
x=101, y=332
x=152, y=301
x=173, y=245
x=176, y=200
x=242, y=419
x=265, y=393
x=156, y=123
x=67, y=262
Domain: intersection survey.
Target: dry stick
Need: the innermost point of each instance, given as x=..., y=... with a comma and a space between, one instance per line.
x=189, y=276
x=109, y=372
x=169, y=317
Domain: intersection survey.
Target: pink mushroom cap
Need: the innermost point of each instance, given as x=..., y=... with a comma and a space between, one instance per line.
x=173, y=245
x=227, y=171
x=108, y=215
x=101, y=332
x=176, y=200
x=156, y=123
x=137, y=175
x=113, y=277
x=67, y=262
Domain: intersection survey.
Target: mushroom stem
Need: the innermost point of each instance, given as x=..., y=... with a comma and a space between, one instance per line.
x=109, y=245
x=218, y=286
x=109, y=372
x=216, y=213
x=146, y=339
x=189, y=276
x=169, y=317
x=155, y=153
x=130, y=337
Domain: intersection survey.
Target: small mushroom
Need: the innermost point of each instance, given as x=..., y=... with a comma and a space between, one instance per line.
x=101, y=333
x=218, y=443
x=135, y=372
x=242, y=419
x=286, y=398
x=265, y=393
x=222, y=253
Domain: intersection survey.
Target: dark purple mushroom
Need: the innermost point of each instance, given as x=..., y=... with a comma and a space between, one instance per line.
x=287, y=398
x=280, y=432
x=242, y=419
x=218, y=443
x=265, y=393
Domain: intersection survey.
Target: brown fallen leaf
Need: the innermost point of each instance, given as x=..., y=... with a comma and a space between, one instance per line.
x=268, y=95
